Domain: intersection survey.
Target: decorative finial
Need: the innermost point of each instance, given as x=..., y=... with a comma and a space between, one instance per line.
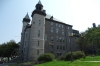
x=39, y=2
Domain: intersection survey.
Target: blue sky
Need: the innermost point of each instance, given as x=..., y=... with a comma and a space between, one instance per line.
x=79, y=13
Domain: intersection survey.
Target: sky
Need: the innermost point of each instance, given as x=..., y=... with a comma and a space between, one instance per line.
x=79, y=13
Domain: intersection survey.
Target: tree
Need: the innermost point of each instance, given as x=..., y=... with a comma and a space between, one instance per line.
x=81, y=42
x=92, y=37
x=89, y=40
x=9, y=49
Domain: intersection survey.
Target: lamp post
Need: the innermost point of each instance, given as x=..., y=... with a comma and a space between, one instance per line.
x=71, y=35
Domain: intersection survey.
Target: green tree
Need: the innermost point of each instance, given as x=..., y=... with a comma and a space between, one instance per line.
x=9, y=49
x=81, y=42
x=92, y=36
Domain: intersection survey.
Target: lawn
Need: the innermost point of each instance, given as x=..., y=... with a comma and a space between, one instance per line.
x=67, y=63
x=90, y=58
x=79, y=62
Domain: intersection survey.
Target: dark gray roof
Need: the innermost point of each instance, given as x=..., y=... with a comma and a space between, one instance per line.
x=27, y=16
x=49, y=16
x=54, y=19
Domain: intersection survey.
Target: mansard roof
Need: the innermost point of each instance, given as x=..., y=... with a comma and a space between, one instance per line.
x=55, y=20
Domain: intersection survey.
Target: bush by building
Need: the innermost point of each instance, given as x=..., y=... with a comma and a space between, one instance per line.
x=46, y=57
x=76, y=55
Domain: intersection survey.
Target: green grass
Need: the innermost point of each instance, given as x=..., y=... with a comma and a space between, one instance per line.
x=67, y=63
x=89, y=58
x=79, y=62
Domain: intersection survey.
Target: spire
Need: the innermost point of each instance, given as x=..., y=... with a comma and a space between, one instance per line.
x=39, y=2
x=26, y=18
x=39, y=9
x=39, y=6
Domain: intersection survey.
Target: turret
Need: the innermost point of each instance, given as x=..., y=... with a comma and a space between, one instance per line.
x=39, y=9
x=25, y=21
x=37, y=32
x=39, y=6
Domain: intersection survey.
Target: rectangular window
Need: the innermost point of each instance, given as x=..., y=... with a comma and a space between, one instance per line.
x=51, y=23
x=63, y=47
x=62, y=31
x=39, y=22
x=56, y=24
x=52, y=46
x=37, y=52
x=38, y=43
x=63, y=39
x=57, y=46
x=60, y=54
x=60, y=47
x=68, y=33
x=52, y=29
x=25, y=43
x=57, y=39
x=52, y=38
x=56, y=30
x=62, y=26
x=60, y=39
x=46, y=38
x=38, y=33
x=57, y=54
x=68, y=27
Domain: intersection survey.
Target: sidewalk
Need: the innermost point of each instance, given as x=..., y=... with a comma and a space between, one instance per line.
x=90, y=61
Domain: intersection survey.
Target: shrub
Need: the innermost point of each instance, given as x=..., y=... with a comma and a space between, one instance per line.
x=62, y=57
x=76, y=55
x=68, y=56
x=46, y=57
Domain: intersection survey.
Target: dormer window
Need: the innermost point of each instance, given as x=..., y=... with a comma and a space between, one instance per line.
x=51, y=17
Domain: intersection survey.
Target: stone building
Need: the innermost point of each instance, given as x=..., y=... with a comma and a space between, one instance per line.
x=45, y=34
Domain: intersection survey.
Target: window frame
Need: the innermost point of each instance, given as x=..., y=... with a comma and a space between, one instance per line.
x=39, y=23
x=51, y=23
x=52, y=29
x=56, y=24
x=37, y=52
x=52, y=38
x=38, y=33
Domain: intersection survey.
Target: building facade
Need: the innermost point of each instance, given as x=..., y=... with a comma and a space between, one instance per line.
x=45, y=34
